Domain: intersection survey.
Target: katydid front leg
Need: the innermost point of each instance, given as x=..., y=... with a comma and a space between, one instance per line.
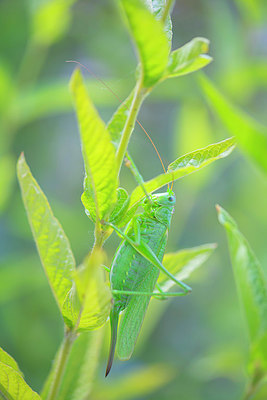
x=143, y=249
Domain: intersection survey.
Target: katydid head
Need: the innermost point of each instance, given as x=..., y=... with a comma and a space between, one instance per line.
x=161, y=206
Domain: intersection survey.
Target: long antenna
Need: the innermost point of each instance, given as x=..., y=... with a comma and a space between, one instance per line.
x=120, y=100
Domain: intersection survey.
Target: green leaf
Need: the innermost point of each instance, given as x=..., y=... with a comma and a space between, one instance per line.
x=185, y=165
x=183, y=262
x=136, y=384
x=188, y=58
x=50, y=20
x=251, y=286
x=251, y=136
x=116, y=124
x=78, y=378
x=13, y=386
x=120, y=207
x=158, y=7
x=150, y=40
x=6, y=359
x=89, y=302
x=52, y=243
x=7, y=175
x=98, y=153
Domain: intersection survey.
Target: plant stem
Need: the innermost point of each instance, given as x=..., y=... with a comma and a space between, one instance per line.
x=254, y=384
x=139, y=96
x=69, y=338
x=167, y=10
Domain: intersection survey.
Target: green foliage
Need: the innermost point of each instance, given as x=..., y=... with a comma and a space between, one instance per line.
x=183, y=262
x=7, y=168
x=188, y=58
x=52, y=243
x=12, y=384
x=98, y=152
x=251, y=136
x=150, y=40
x=185, y=165
x=252, y=288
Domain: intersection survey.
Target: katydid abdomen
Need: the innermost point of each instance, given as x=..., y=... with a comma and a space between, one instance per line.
x=132, y=272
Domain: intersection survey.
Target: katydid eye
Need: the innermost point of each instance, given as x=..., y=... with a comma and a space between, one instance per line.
x=171, y=198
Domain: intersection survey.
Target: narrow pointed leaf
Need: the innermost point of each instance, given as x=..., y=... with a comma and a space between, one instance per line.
x=89, y=302
x=150, y=40
x=185, y=165
x=98, y=153
x=6, y=359
x=188, y=58
x=251, y=136
x=79, y=376
x=13, y=386
x=52, y=243
x=183, y=262
x=251, y=287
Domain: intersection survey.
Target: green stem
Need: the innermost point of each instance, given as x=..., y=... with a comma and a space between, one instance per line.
x=139, y=96
x=69, y=338
x=167, y=10
x=254, y=384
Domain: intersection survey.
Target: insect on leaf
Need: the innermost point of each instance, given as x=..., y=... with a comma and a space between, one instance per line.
x=13, y=386
x=188, y=58
x=251, y=287
x=52, y=243
x=251, y=136
x=89, y=301
x=183, y=262
x=98, y=152
x=150, y=40
x=185, y=165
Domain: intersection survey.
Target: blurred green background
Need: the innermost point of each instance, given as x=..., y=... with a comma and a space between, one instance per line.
x=201, y=338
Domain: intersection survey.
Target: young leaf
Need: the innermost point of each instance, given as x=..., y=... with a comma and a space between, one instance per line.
x=13, y=386
x=52, y=243
x=98, y=153
x=251, y=136
x=6, y=359
x=251, y=286
x=185, y=165
x=120, y=207
x=188, y=58
x=158, y=7
x=150, y=39
x=183, y=262
x=116, y=124
x=89, y=302
x=136, y=384
x=81, y=368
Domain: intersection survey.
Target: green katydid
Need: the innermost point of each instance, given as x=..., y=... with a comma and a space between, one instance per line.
x=135, y=269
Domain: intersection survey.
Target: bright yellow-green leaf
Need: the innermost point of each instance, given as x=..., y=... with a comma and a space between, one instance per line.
x=158, y=7
x=251, y=136
x=79, y=376
x=183, y=262
x=150, y=39
x=13, y=386
x=188, y=58
x=251, y=286
x=51, y=19
x=7, y=175
x=52, y=244
x=6, y=359
x=98, y=152
x=136, y=384
x=185, y=165
x=89, y=302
